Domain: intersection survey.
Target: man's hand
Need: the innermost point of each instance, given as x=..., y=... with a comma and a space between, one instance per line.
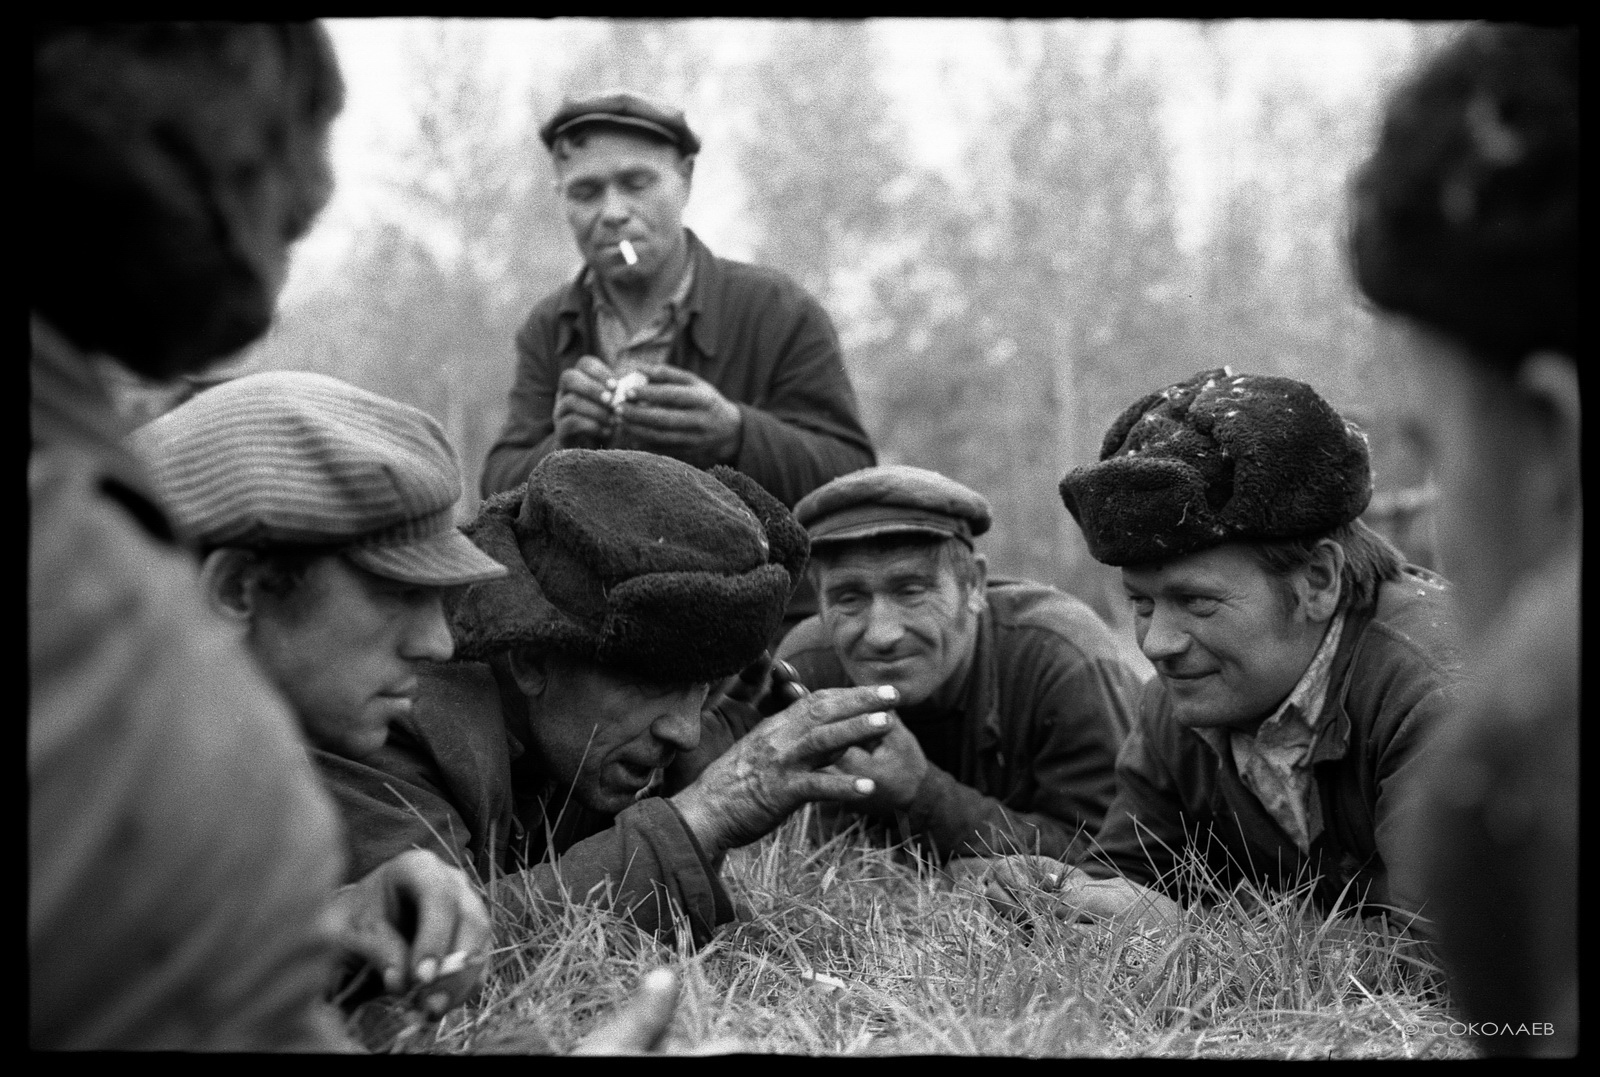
x=777, y=767
x=1012, y=883
x=421, y=924
x=583, y=414
x=680, y=414
x=895, y=764
x=639, y=1024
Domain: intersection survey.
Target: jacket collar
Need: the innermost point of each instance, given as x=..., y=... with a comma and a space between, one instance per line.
x=702, y=310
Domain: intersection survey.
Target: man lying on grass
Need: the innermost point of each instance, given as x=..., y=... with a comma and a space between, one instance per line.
x=325, y=517
x=1303, y=670
x=1012, y=694
x=636, y=583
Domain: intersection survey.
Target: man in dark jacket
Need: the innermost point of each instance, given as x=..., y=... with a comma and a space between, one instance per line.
x=660, y=345
x=580, y=691
x=1304, y=673
x=1013, y=697
x=1467, y=230
x=181, y=853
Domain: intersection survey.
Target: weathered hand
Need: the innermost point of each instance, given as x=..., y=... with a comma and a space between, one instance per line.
x=1072, y=895
x=442, y=960
x=777, y=766
x=682, y=415
x=896, y=765
x=583, y=414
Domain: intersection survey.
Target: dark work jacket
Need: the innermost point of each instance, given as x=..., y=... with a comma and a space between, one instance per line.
x=1046, y=704
x=1393, y=694
x=753, y=333
x=454, y=779
x=181, y=850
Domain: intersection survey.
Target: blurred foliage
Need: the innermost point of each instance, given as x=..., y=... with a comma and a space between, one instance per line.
x=993, y=328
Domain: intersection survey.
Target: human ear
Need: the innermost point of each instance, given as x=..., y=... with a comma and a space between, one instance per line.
x=227, y=580
x=1319, y=584
x=686, y=170
x=1550, y=487
x=978, y=594
x=528, y=670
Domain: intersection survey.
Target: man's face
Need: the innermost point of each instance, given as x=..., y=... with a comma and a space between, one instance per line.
x=616, y=186
x=898, y=617
x=605, y=734
x=1216, y=630
x=343, y=647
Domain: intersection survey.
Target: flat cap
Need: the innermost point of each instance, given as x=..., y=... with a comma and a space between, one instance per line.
x=291, y=458
x=633, y=561
x=1219, y=458
x=621, y=108
x=892, y=499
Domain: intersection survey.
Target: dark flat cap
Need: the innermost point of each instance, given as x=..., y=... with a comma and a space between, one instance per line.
x=894, y=498
x=1219, y=458
x=636, y=562
x=292, y=458
x=621, y=108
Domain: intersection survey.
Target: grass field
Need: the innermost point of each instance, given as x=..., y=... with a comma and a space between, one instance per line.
x=928, y=967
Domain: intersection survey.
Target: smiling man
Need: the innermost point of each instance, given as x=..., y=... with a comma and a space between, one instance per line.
x=1303, y=670
x=1012, y=695
x=658, y=344
x=561, y=753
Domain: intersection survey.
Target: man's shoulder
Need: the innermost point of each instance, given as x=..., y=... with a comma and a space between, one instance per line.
x=1413, y=622
x=751, y=282
x=1024, y=607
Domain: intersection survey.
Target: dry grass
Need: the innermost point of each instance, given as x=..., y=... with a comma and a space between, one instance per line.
x=930, y=968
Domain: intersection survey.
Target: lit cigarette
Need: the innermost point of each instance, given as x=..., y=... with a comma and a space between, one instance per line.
x=628, y=253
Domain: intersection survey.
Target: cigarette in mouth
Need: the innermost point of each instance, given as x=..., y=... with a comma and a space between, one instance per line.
x=628, y=253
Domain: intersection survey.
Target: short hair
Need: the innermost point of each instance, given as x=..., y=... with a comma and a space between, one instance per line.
x=948, y=552
x=280, y=570
x=1465, y=218
x=1370, y=560
x=144, y=136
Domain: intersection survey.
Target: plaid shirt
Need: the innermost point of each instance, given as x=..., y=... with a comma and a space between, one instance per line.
x=1275, y=763
x=652, y=344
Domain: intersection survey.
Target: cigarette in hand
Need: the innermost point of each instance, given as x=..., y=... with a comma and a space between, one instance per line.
x=629, y=255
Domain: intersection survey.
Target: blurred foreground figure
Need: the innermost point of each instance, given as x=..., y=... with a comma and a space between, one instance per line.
x=1012, y=694
x=580, y=691
x=180, y=850
x=325, y=516
x=1303, y=671
x=1466, y=229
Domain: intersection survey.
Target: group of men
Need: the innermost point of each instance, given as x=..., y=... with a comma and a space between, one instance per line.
x=284, y=714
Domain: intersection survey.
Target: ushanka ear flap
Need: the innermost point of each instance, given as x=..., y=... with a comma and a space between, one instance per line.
x=789, y=544
x=498, y=613
x=693, y=626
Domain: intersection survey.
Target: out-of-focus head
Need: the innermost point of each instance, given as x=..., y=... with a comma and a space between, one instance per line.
x=636, y=581
x=328, y=514
x=1465, y=227
x=624, y=167
x=901, y=589
x=1231, y=501
x=173, y=165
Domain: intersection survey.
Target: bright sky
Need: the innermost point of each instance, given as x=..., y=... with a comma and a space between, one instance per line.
x=945, y=75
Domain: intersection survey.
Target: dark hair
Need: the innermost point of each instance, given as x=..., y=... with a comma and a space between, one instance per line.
x=1369, y=561
x=279, y=570
x=170, y=161
x=1465, y=218
x=951, y=553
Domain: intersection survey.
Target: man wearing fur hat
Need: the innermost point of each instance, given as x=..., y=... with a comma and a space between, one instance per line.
x=1012, y=694
x=636, y=583
x=1303, y=670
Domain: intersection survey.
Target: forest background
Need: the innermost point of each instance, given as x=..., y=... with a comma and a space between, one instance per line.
x=1018, y=227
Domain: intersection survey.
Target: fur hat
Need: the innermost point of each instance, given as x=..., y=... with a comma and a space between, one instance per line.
x=634, y=561
x=1219, y=458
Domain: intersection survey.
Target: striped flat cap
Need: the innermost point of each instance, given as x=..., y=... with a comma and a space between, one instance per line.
x=290, y=458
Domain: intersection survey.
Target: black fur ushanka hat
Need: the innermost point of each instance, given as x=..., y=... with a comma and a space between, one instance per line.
x=1219, y=458
x=634, y=561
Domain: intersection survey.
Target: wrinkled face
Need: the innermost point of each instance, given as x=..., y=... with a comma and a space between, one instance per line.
x=1217, y=632
x=617, y=186
x=343, y=647
x=604, y=734
x=899, y=617
x=1465, y=420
